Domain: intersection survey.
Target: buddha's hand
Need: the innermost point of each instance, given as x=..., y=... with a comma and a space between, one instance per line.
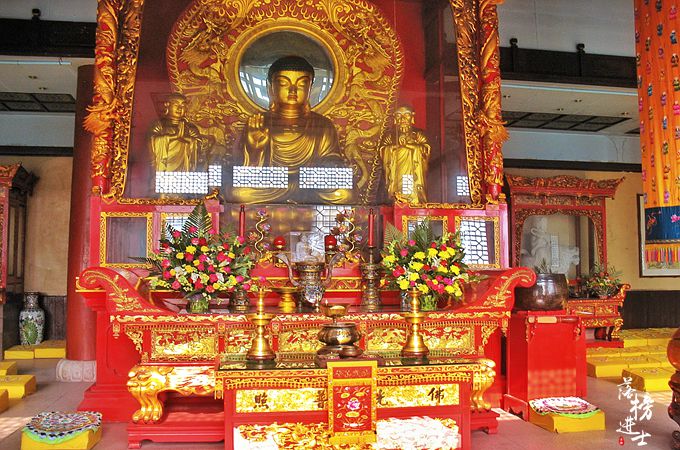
x=257, y=135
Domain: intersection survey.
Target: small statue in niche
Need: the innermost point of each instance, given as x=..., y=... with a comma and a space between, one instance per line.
x=176, y=145
x=539, y=244
x=309, y=248
x=405, y=154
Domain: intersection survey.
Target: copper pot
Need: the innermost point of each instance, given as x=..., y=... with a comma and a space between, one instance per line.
x=548, y=294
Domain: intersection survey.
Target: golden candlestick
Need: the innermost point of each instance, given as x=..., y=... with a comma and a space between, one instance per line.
x=259, y=347
x=415, y=344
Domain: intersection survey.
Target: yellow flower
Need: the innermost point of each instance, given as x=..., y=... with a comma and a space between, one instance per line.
x=191, y=249
x=172, y=272
x=196, y=262
x=403, y=284
x=204, y=248
x=419, y=255
x=444, y=254
x=442, y=269
x=455, y=270
x=423, y=288
x=231, y=255
x=389, y=259
x=431, y=252
x=189, y=268
x=449, y=289
x=416, y=265
x=413, y=276
x=179, y=255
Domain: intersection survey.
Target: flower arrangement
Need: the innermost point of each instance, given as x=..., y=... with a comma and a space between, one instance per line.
x=200, y=262
x=603, y=280
x=434, y=266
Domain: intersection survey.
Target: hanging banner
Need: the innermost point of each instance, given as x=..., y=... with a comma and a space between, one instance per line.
x=658, y=80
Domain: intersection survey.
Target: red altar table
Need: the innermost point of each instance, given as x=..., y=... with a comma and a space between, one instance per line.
x=601, y=313
x=145, y=352
x=546, y=357
x=439, y=388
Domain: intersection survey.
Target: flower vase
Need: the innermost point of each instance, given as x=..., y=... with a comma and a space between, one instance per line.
x=31, y=320
x=239, y=300
x=198, y=304
x=428, y=302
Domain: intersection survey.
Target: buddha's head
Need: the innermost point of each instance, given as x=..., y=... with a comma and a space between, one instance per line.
x=289, y=83
x=404, y=118
x=175, y=107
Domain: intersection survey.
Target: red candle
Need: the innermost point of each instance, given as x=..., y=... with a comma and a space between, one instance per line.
x=371, y=223
x=242, y=221
x=330, y=242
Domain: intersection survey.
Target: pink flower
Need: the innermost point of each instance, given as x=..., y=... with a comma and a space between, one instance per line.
x=241, y=239
x=175, y=285
x=176, y=234
x=239, y=279
x=395, y=273
x=194, y=241
x=211, y=232
x=188, y=256
x=202, y=258
x=221, y=256
x=211, y=268
x=411, y=242
x=165, y=263
x=246, y=287
x=403, y=252
x=412, y=284
x=193, y=229
x=210, y=289
x=213, y=277
x=201, y=267
x=227, y=269
x=167, y=275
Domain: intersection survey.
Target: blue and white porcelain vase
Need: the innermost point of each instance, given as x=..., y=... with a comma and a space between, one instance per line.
x=31, y=320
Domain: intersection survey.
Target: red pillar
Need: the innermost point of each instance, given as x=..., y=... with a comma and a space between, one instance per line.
x=80, y=320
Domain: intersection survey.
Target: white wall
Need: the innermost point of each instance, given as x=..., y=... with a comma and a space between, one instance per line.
x=605, y=26
x=527, y=144
x=48, y=130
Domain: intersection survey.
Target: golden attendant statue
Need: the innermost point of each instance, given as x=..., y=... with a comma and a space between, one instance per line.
x=176, y=145
x=291, y=135
x=405, y=154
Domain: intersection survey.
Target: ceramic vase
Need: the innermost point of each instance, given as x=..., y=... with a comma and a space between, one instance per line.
x=31, y=320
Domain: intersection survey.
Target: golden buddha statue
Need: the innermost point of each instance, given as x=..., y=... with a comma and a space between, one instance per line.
x=176, y=145
x=291, y=135
x=405, y=154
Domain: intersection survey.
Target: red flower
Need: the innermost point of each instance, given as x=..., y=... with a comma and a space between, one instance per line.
x=210, y=289
x=192, y=229
x=202, y=241
x=246, y=251
x=175, y=285
x=443, y=248
x=211, y=268
x=194, y=241
x=165, y=263
x=213, y=277
x=166, y=275
x=396, y=273
x=198, y=284
x=201, y=267
x=221, y=256
x=188, y=256
x=176, y=234
x=433, y=245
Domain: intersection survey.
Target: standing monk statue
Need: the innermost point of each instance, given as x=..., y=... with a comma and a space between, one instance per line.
x=405, y=154
x=291, y=135
x=176, y=144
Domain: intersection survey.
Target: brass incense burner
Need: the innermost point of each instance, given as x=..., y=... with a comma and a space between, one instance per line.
x=311, y=282
x=339, y=337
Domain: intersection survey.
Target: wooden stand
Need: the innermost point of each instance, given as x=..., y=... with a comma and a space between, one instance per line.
x=546, y=357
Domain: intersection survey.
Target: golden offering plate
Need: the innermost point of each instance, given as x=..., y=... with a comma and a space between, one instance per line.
x=287, y=303
x=334, y=310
